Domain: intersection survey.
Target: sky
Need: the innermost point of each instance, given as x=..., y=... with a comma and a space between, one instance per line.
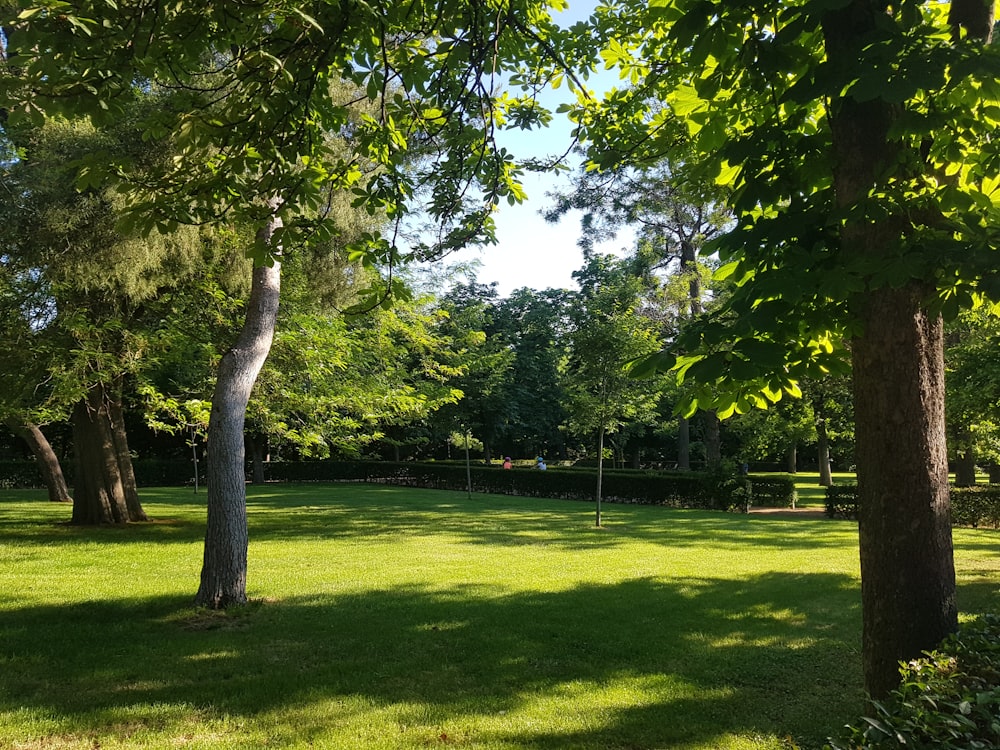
x=530, y=251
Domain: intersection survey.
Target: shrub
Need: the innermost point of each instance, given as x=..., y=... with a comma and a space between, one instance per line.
x=948, y=699
x=773, y=492
x=842, y=501
x=975, y=506
x=149, y=472
x=970, y=506
x=675, y=489
x=20, y=474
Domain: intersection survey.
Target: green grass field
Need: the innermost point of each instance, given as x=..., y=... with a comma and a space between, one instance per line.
x=395, y=618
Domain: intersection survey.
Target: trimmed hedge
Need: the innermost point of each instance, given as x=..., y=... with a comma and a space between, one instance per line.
x=948, y=699
x=21, y=475
x=678, y=489
x=842, y=501
x=149, y=472
x=975, y=506
x=970, y=506
x=674, y=489
x=773, y=491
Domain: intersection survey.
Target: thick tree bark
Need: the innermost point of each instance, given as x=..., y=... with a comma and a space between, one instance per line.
x=823, y=449
x=792, y=459
x=965, y=459
x=258, y=446
x=124, y=456
x=683, y=443
x=48, y=462
x=104, y=489
x=907, y=564
x=713, y=439
x=224, y=569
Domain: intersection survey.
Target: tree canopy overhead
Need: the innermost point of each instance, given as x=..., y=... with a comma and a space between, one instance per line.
x=745, y=94
x=256, y=91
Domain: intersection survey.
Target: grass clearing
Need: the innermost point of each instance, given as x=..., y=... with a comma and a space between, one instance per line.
x=385, y=617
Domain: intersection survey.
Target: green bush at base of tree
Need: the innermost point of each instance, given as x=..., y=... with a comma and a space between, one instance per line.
x=948, y=699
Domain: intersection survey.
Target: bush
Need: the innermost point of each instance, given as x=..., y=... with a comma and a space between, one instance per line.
x=975, y=506
x=842, y=501
x=773, y=492
x=149, y=472
x=20, y=474
x=948, y=699
x=675, y=489
x=970, y=506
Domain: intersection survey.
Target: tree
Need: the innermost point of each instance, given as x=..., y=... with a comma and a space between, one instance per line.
x=674, y=218
x=252, y=141
x=82, y=290
x=535, y=326
x=485, y=360
x=833, y=415
x=973, y=400
x=608, y=333
x=21, y=376
x=859, y=140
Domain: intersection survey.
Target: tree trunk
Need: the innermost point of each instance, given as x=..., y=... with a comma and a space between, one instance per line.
x=104, y=489
x=125, y=468
x=683, y=443
x=965, y=470
x=994, y=474
x=689, y=267
x=965, y=461
x=823, y=447
x=224, y=569
x=792, y=459
x=258, y=444
x=713, y=440
x=48, y=462
x=600, y=472
x=907, y=563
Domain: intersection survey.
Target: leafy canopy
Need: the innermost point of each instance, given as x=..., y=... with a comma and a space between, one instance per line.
x=256, y=90
x=742, y=94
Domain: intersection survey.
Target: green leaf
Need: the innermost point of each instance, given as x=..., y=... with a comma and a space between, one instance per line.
x=653, y=364
x=767, y=355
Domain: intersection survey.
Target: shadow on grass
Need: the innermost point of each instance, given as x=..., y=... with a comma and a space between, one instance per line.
x=699, y=657
x=703, y=657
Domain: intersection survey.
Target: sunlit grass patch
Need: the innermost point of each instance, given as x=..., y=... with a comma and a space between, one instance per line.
x=390, y=618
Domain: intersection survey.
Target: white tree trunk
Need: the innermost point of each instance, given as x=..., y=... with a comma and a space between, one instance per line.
x=224, y=570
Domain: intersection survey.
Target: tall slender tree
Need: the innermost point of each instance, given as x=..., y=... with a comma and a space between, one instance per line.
x=608, y=333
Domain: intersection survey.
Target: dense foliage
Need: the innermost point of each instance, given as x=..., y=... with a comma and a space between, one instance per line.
x=947, y=699
x=970, y=506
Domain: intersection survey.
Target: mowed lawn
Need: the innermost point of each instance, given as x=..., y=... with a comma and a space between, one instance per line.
x=385, y=617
